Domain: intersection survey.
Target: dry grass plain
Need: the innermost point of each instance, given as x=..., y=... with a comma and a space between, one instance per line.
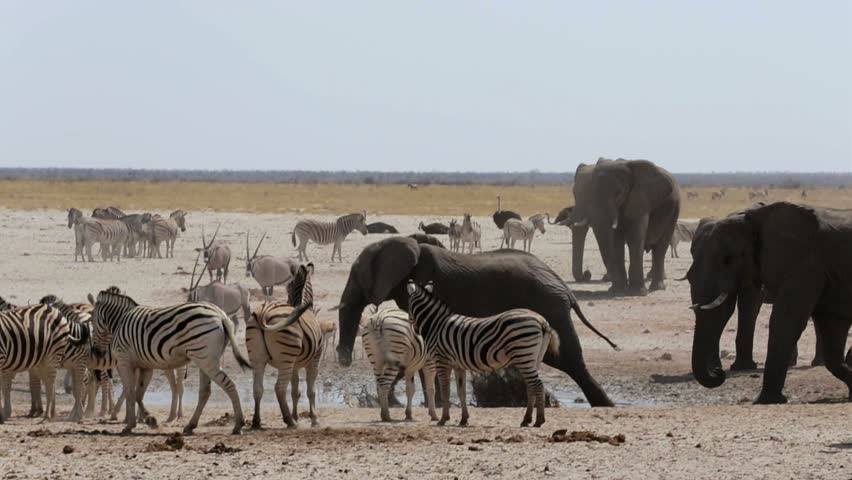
x=674, y=428
x=332, y=199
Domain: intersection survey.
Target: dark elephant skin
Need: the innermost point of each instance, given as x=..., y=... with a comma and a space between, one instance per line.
x=381, y=227
x=749, y=299
x=426, y=239
x=476, y=285
x=801, y=257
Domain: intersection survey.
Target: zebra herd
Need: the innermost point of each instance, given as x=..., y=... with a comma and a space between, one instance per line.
x=114, y=333
x=117, y=233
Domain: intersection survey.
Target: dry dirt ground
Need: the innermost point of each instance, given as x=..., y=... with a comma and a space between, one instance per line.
x=672, y=427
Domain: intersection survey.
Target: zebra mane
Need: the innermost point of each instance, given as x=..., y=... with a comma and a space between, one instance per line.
x=4, y=305
x=300, y=290
x=57, y=303
x=113, y=293
x=350, y=216
x=177, y=213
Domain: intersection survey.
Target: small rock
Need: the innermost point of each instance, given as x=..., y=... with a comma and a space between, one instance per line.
x=670, y=434
x=591, y=304
x=474, y=448
x=646, y=331
x=67, y=449
x=666, y=356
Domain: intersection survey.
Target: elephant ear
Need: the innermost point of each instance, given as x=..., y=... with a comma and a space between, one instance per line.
x=650, y=188
x=389, y=264
x=785, y=233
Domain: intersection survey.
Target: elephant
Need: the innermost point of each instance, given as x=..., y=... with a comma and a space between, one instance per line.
x=632, y=202
x=749, y=299
x=474, y=285
x=801, y=256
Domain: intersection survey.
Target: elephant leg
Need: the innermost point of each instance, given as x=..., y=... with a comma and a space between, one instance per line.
x=578, y=242
x=615, y=268
x=570, y=361
x=819, y=353
x=635, y=238
x=658, y=267
x=748, y=307
x=832, y=329
x=788, y=320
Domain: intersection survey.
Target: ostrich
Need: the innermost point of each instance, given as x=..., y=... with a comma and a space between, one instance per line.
x=500, y=216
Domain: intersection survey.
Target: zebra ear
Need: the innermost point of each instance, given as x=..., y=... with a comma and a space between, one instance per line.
x=309, y=269
x=411, y=287
x=429, y=286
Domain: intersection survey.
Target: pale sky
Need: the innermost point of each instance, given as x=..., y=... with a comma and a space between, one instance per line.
x=445, y=85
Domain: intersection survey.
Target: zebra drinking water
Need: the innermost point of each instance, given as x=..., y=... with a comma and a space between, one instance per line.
x=518, y=337
x=287, y=336
x=392, y=346
x=324, y=233
x=147, y=338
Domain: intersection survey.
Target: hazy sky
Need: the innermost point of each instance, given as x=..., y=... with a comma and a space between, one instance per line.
x=447, y=85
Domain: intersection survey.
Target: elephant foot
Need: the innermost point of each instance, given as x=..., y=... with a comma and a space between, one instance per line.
x=617, y=289
x=741, y=365
x=639, y=291
x=770, y=399
x=817, y=362
x=605, y=278
x=658, y=285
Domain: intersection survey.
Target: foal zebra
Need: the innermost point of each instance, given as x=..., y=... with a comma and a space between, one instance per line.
x=166, y=230
x=392, y=346
x=146, y=338
x=33, y=338
x=518, y=337
x=454, y=235
x=288, y=337
x=514, y=230
x=324, y=233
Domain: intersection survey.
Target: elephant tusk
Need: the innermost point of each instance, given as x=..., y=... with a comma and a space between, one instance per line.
x=615, y=223
x=715, y=303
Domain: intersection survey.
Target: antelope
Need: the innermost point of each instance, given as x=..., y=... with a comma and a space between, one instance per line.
x=230, y=298
x=217, y=255
x=267, y=270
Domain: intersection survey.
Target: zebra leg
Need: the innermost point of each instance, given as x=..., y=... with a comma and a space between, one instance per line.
x=333, y=251
x=311, y=373
x=295, y=394
x=257, y=389
x=209, y=366
x=113, y=412
x=107, y=402
x=78, y=377
x=91, y=389
x=170, y=376
x=444, y=381
x=383, y=391
x=429, y=384
x=36, y=407
x=145, y=376
x=6, y=384
x=66, y=382
x=128, y=383
x=48, y=374
x=285, y=373
x=203, y=396
x=409, y=393
x=461, y=391
x=181, y=373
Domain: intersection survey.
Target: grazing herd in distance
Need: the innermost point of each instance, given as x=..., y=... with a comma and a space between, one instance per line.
x=515, y=306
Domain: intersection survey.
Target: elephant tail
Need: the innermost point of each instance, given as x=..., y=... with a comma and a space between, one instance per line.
x=576, y=307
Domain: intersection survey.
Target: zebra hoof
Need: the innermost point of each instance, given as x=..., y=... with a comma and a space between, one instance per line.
x=126, y=431
x=188, y=430
x=525, y=424
x=441, y=422
x=238, y=430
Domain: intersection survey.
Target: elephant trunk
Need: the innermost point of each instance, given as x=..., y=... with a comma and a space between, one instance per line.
x=709, y=324
x=351, y=306
x=578, y=242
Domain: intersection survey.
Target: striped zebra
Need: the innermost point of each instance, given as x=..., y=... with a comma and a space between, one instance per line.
x=684, y=231
x=454, y=235
x=146, y=338
x=392, y=346
x=514, y=230
x=108, y=213
x=112, y=235
x=288, y=337
x=518, y=337
x=166, y=230
x=471, y=234
x=324, y=233
x=36, y=407
x=33, y=338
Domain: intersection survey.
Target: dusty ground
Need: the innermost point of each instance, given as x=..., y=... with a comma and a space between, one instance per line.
x=673, y=427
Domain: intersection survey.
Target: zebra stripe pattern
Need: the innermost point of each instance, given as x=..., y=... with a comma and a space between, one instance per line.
x=166, y=230
x=147, y=338
x=32, y=338
x=517, y=337
x=288, y=337
x=683, y=232
x=471, y=234
x=514, y=230
x=112, y=235
x=392, y=346
x=324, y=233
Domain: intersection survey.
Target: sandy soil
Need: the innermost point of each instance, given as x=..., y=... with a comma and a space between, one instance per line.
x=673, y=427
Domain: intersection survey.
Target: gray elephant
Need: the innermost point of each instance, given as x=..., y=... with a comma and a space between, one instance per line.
x=474, y=285
x=625, y=202
x=801, y=256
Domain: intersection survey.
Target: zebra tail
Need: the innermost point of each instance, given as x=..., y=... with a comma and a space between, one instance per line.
x=293, y=237
x=229, y=330
x=576, y=307
x=387, y=357
x=553, y=343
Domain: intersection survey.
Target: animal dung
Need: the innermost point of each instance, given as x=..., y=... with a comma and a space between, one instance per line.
x=562, y=436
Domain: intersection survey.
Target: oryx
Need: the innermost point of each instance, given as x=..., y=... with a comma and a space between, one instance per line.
x=230, y=298
x=217, y=255
x=267, y=270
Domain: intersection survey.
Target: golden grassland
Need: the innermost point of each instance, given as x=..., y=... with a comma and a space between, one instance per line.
x=338, y=198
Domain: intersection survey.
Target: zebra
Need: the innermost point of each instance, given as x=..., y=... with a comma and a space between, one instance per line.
x=108, y=213
x=288, y=336
x=684, y=231
x=110, y=234
x=144, y=338
x=267, y=270
x=33, y=338
x=217, y=255
x=36, y=408
x=454, y=235
x=717, y=195
x=758, y=194
x=470, y=234
x=518, y=337
x=324, y=233
x=514, y=230
x=392, y=346
x=691, y=195
x=137, y=228
x=166, y=230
